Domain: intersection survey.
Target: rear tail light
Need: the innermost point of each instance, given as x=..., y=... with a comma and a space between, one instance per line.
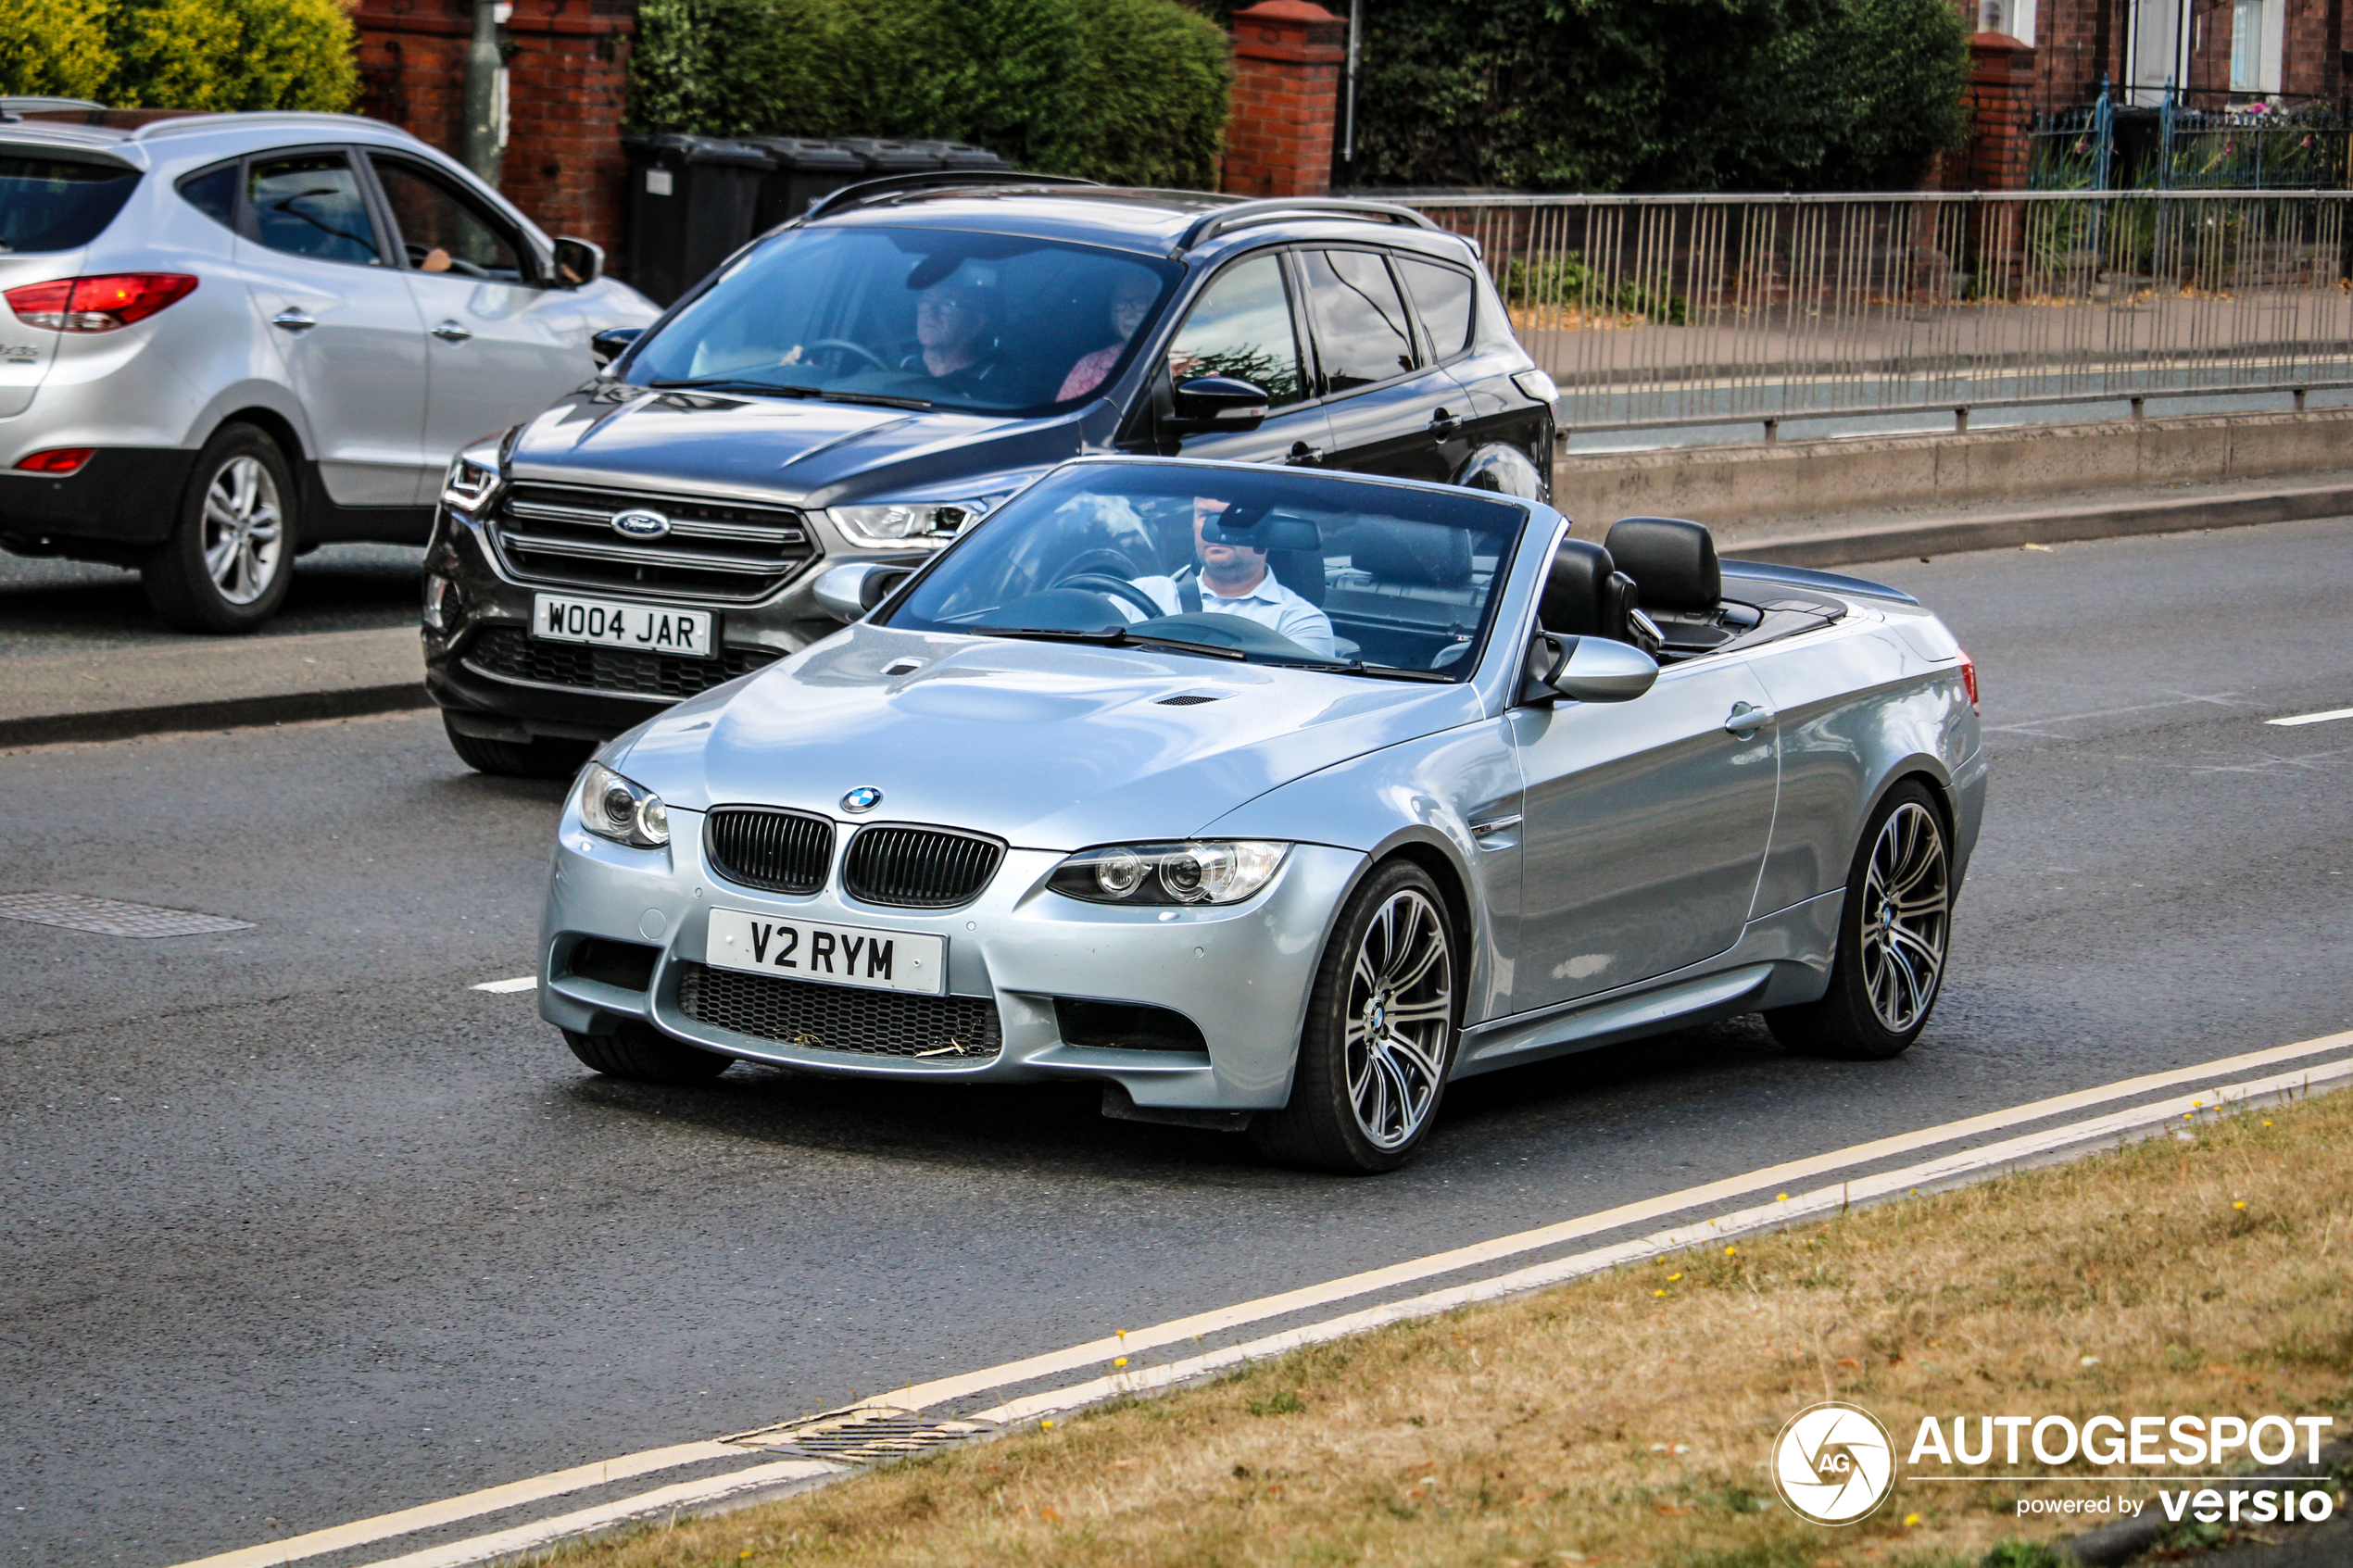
x=98, y=303
x=56, y=460
x=1968, y=680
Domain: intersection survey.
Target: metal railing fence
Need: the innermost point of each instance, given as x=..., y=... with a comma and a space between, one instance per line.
x=1654, y=311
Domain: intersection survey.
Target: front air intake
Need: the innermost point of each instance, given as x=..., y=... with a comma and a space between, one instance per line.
x=919, y=868
x=761, y=846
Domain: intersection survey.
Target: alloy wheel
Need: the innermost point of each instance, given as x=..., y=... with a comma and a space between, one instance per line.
x=1905, y=915
x=244, y=534
x=1400, y=996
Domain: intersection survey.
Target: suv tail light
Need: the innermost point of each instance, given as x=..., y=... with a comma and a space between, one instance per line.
x=1968, y=680
x=97, y=303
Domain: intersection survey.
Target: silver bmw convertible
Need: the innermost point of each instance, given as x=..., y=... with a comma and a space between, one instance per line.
x=1278, y=799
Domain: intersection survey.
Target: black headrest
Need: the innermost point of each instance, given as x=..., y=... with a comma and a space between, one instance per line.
x=1300, y=570
x=1425, y=554
x=1674, y=561
x=1585, y=595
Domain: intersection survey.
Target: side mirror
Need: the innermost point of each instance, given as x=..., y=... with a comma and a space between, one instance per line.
x=607, y=345
x=848, y=591
x=578, y=262
x=1219, y=403
x=1587, y=669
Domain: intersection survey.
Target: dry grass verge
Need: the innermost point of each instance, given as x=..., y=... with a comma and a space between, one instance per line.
x=1625, y=1419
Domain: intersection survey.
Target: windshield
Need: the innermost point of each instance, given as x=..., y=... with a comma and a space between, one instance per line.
x=987, y=323
x=1276, y=568
x=55, y=204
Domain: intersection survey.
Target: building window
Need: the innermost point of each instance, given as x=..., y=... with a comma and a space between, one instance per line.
x=2246, y=46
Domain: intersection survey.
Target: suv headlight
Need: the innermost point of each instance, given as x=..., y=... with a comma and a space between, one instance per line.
x=612, y=806
x=472, y=476
x=920, y=523
x=1214, y=871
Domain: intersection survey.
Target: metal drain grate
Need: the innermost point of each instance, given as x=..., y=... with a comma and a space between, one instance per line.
x=108, y=918
x=866, y=1434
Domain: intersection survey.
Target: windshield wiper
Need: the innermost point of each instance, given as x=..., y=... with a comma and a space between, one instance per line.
x=1110, y=638
x=1358, y=667
x=785, y=389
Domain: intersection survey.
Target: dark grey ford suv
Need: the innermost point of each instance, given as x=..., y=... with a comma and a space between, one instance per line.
x=862, y=383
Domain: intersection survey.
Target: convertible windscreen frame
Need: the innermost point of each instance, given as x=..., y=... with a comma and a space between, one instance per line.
x=1496, y=522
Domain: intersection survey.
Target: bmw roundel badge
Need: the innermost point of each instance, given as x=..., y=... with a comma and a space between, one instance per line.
x=864, y=799
x=639, y=523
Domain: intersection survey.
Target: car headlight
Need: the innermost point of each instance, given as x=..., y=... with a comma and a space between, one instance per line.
x=918, y=524
x=1216, y=871
x=474, y=474
x=612, y=806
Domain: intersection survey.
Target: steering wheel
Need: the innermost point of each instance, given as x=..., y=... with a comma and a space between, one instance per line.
x=1113, y=588
x=860, y=349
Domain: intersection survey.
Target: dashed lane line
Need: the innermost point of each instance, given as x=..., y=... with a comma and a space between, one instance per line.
x=1098, y=1351
x=505, y=988
x=2312, y=718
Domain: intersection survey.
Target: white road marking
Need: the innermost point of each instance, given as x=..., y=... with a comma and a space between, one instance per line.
x=1764, y=1216
x=1099, y=1351
x=2312, y=718
x=520, y=983
x=2184, y=699
x=471, y=1505
x=662, y=1499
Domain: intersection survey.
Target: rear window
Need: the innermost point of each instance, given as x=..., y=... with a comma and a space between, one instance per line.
x=56, y=204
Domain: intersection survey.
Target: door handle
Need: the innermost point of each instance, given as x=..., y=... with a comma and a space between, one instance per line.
x=451, y=332
x=1303, y=453
x=1442, y=423
x=293, y=320
x=1746, y=719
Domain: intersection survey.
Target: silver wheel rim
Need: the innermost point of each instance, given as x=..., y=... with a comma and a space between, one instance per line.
x=243, y=530
x=1907, y=905
x=1400, y=996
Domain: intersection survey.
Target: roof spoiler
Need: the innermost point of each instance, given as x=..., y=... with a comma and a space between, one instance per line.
x=867, y=191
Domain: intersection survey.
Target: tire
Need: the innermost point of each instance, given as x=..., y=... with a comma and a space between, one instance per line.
x=1375, y=1054
x=644, y=1055
x=1890, y=962
x=230, y=559
x=540, y=758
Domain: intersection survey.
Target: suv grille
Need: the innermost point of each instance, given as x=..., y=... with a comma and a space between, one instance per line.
x=508, y=654
x=840, y=1018
x=919, y=868
x=759, y=847
x=562, y=535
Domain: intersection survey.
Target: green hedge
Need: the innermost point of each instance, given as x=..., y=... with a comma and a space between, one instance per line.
x=1659, y=94
x=182, y=54
x=1133, y=92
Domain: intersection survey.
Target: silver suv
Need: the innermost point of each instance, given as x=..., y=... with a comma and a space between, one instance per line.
x=232, y=338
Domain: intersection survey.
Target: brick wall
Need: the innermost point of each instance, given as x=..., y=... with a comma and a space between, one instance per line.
x=2078, y=41
x=1288, y=57
x=567, y=90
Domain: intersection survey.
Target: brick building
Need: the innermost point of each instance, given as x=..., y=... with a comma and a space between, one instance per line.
x=567, y=67
x=2219, y=54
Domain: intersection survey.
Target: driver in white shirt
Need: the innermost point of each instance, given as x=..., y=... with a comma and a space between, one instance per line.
x=1233, y=580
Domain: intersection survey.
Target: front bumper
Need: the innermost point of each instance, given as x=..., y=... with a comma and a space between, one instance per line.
x=1241, y=974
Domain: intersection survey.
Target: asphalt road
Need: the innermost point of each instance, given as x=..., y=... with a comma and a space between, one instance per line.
x=301, y=1229
x=52, y=606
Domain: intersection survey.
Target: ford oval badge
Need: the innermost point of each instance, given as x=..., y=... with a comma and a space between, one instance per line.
x=639, y=523
x=864, y=799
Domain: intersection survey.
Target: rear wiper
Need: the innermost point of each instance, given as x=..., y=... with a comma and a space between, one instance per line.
x=1110, y=637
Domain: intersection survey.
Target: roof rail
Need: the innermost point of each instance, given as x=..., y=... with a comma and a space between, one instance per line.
x=901, y=185
x=176, y=123
x=1270, y=209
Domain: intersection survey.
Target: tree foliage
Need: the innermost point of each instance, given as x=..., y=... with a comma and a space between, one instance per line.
x=1130, y=91
x=1658, y=94
x=182, y=54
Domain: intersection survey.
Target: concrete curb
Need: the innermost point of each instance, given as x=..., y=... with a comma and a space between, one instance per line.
x=1996, y=531
x=207, y=684
x=2113, y=1545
